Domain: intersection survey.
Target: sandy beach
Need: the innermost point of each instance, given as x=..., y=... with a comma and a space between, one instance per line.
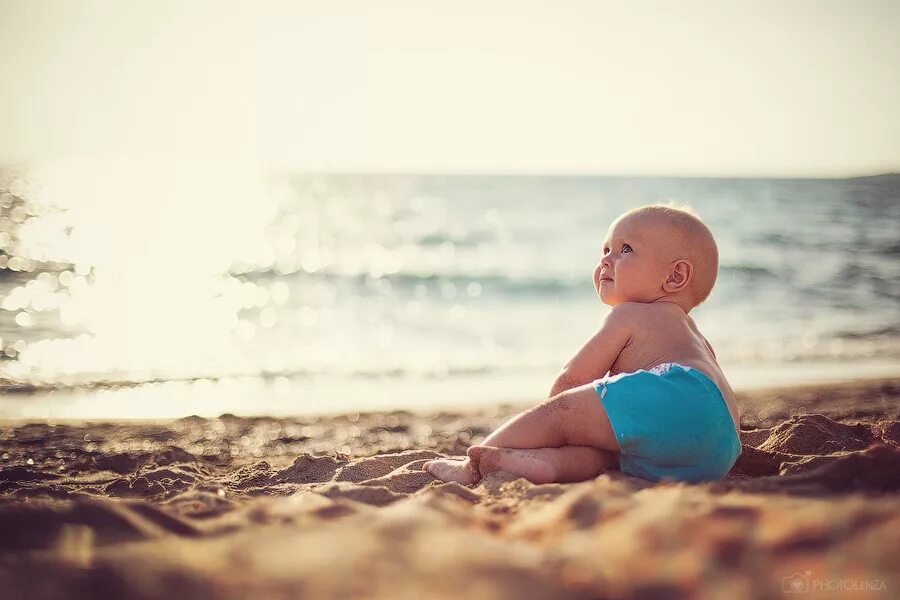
x=260, y=262
x=339, y=507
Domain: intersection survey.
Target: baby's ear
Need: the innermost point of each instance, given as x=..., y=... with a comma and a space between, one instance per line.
x=680, y=275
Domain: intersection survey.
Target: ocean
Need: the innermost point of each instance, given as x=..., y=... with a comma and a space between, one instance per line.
x=300, y=294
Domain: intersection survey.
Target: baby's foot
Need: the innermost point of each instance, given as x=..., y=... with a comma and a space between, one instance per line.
x=452, y=469
x=530, y=464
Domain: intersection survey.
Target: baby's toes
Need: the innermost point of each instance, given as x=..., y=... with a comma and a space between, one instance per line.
x=439, y=467
x=451, y=470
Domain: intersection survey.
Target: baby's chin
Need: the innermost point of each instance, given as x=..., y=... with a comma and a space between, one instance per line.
x=608, y=301
x=613, y=302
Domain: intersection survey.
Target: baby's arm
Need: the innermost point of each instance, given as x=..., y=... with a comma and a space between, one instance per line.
x=598, y=354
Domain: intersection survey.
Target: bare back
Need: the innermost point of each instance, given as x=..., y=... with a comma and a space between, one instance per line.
x=662, y=333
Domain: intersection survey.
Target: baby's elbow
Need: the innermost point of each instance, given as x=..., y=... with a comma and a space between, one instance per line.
x=565, y=381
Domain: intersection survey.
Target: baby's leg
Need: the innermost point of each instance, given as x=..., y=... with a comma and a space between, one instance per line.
x=565, y=464
x=575, y=417
x=538, y=465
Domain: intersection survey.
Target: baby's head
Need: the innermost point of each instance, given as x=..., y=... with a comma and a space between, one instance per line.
x=657, y=252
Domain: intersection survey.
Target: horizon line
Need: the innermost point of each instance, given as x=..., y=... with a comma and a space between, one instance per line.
x=289, y=170
x=297, y=169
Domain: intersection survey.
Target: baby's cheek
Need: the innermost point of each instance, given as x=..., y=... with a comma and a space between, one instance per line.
x=597, y=270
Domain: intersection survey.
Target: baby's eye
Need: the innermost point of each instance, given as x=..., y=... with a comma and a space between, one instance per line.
x=624, y=246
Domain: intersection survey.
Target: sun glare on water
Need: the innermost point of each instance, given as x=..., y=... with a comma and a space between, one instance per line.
x=150, y=246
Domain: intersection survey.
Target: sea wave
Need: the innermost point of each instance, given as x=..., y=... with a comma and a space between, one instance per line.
x=409, y=280
x=883, y=344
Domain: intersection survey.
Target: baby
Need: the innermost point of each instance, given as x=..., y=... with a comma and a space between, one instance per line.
x=644, y=394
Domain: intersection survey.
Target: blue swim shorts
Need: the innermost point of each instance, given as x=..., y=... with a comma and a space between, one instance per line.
x=671, y=422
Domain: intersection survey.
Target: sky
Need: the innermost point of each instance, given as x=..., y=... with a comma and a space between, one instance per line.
x=679, y=87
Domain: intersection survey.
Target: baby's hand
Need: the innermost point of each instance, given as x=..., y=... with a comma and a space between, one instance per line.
x=460, y=470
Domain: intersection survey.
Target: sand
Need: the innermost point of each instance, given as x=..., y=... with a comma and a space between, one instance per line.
x=339, y=507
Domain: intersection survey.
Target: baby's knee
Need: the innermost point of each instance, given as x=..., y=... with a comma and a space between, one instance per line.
x=563, y=402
